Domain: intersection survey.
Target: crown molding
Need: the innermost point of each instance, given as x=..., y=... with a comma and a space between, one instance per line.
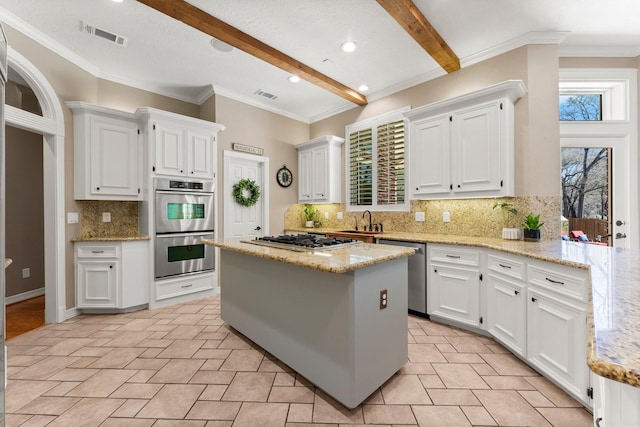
x=599, y=51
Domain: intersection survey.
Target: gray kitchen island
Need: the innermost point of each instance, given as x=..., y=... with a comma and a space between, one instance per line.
x=337, y=317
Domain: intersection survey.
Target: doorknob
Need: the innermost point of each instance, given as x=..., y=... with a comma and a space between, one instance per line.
x=619, y=223
x=258, y=228
x=621, y=236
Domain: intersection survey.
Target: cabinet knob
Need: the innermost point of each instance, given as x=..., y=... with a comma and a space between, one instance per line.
x=458, y=185
x=181, y=171
x=516, y=292
x=97, y=188
x=111, y=266
x=534, y=299
x=416, y=188
x=191, y=172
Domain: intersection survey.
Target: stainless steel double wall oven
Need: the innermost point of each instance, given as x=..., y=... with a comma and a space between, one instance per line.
x=184, y=214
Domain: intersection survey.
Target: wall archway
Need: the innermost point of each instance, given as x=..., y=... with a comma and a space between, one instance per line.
x=51, y=126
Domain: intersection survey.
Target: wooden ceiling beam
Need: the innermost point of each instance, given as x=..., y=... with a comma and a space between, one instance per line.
x=200, y=20
x=406, y=13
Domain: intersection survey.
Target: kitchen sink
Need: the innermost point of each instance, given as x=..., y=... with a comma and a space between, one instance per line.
x=359, y=232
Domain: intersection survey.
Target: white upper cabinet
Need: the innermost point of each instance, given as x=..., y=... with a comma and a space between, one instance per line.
x=180, y=146
x=107, y=154
x=464, y=147
x=319, y=170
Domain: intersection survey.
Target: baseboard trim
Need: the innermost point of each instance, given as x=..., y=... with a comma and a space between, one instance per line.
x=23, y=296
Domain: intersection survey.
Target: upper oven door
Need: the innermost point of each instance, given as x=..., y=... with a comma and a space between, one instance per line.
x=181, y=212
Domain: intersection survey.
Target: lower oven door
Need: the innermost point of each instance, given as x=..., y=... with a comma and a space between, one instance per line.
x=179, y=254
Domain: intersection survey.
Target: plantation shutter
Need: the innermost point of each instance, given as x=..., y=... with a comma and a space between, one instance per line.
x=361, y=167
x=391, y=171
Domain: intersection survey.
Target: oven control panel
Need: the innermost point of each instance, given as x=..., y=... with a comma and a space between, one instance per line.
x=186, y=185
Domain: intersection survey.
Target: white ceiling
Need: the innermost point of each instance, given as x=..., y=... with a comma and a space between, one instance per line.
x=168, y=57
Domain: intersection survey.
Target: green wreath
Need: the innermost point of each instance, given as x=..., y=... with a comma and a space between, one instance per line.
x=251, y=188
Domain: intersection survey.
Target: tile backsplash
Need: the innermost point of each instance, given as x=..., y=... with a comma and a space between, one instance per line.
x=470, y=217
x=124, y=218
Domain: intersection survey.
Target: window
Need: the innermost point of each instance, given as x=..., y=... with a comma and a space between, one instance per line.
x=581, y=107
x=376, y=163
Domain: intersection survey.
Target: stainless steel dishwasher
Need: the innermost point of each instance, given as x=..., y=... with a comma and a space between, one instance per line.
x=417, y=275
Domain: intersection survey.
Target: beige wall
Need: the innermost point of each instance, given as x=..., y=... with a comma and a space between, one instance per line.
x=253, y=126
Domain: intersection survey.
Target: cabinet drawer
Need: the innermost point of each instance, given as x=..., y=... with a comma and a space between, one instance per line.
x=98, y=251
x=507, y=266
x=454, y=255
x=174, y=288
x=569, y=281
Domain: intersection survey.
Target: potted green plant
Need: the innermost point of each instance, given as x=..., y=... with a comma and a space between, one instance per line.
x=532, y=227
x=310, y=215
x=508, y=212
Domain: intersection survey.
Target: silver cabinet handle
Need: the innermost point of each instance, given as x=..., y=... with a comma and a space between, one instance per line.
x=504, y=266
x=97, y=252
x=453, y=256
x=187, y=286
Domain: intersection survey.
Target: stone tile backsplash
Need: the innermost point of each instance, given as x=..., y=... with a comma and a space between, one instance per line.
x=124, y=218
x=469, y=217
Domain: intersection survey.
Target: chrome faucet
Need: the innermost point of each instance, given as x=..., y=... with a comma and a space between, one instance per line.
x=370, y=225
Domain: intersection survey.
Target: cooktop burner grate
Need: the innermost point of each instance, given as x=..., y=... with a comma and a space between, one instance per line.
x=303, y=242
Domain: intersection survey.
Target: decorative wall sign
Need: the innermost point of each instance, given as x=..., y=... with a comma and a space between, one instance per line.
x=247, y=149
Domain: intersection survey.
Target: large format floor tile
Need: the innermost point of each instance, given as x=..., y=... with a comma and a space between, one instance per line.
x=183, y=366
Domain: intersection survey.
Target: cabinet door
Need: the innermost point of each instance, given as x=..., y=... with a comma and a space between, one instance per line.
x=476, y=143
x=507, y=312
x=305, y=179
x=320, y=174
x=97, y=284
x=429, y=156
x=170, y=150
x=114, y=157
x=200, y=155
x=454, y=293
x=557, y=344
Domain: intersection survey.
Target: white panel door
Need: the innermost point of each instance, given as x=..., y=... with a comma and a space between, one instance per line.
x=169, y=150
x=507, y=313
x=454, y=293
x=245, y=221
x=429, y=156
x=320, y=168
x=305, y=176
x=199, y=154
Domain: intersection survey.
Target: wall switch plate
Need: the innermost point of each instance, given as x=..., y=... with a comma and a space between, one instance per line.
x=72, y=218
x=326, y=215
x=420, y=216
x=106, y=216
x=446, y=216
x=340, y=215
x=26, y=273
x=383, y=299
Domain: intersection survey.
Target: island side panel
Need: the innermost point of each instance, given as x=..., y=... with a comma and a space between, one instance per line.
x=327, y=327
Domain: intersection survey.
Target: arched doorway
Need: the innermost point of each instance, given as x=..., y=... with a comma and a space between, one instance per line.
x=51, y=126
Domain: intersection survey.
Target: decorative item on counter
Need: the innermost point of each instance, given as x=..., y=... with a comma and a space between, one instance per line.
x=246, y=192
x=507, y=209
x=532, y=227
x=311, y=214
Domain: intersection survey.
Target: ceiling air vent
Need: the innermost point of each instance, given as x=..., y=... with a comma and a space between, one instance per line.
x=104, y=34
x=265, y=94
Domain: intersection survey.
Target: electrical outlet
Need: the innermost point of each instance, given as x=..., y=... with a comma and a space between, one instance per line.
x=326, y=215
x=383, y=299
x=340, y=215
x=106, y=216
x=420, y=216
x=26, y=273
x=446, y=216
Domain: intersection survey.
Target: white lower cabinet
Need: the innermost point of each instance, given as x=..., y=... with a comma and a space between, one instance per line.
x=507, y=312
x=112, y=275
x=614, y=403
x=454, y=284
x=557, y=343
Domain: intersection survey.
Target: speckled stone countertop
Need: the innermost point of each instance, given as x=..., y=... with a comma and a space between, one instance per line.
x=110, y=238
x=341, y=260
x=614, y=311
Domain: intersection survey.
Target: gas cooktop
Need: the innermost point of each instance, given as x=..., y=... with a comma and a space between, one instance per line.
x=302, y=242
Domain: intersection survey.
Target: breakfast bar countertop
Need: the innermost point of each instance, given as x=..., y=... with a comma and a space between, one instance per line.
x=340, y=260
x=614, y=311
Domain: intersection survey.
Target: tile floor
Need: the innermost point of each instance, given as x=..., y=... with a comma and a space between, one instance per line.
x=182, y=366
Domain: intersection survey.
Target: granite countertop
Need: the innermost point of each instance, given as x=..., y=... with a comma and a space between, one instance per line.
x=110, y=238
x=614, y=310
x=341, y=260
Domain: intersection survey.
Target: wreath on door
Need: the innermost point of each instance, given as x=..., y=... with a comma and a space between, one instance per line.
x=246, y=192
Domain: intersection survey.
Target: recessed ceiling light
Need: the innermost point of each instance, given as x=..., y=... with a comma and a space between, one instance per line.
x=294, y=79
x=363, y=88
x=221, y=46
x=348, y=46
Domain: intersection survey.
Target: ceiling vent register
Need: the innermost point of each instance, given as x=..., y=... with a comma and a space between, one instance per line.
x=265, y=94
x=104, y=34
